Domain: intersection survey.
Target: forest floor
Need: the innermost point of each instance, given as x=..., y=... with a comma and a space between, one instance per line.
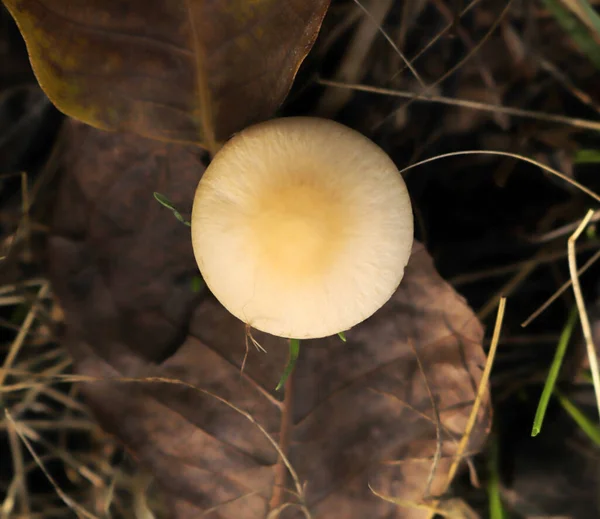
x=518, y=82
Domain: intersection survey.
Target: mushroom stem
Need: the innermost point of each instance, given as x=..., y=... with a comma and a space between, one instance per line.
x=292, y=358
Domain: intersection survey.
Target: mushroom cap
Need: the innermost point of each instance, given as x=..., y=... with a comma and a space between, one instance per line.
x=302, y=227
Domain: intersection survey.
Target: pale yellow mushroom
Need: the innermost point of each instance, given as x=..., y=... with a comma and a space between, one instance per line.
x=302, y=227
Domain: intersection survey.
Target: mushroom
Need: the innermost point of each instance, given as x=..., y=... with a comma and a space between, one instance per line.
x=301, y=227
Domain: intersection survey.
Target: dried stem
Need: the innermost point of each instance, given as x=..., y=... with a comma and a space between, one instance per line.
x=583, y=317
x=285, y=434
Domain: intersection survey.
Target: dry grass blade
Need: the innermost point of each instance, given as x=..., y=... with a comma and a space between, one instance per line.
x=31, y=397
x=140, y=500
x=35, y=282
x=434, y=506
x=20, y=338
x=438, y=425
x=249, y=417
x=472, y=52
x=215, y=508
x=436, y=457
x=562, y=230
x=439, y=35
x=462, y=446
x=560, y=175
x=62, y=454
x=484, y=70
x=568, y=84
x=472, y=277
x=481, y=389
x=560, y=291
x=19, y=478
x=276, y=513
x=511, y=285
x=393, y=45
x=585, y=124
x=25, y=224
x=450, y=509
x=53, y=425
x=76, y=507
x=352, y=65
x=585, y=323
x=433, y=509
x=157, y=380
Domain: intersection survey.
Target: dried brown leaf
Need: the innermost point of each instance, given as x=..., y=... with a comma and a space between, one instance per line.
x=360, y=411
x=177, y=70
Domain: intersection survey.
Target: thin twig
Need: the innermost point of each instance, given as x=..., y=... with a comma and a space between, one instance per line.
x=583, y=317
x=559, y=292
x=285, y=434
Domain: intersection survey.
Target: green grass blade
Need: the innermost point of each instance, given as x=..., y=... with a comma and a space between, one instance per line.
x=590, y=14
x=294, y=351
x=342, y=336
x=197, y=284
x=565, y=336
x=587, y=157
x=591, y=429
x=493, y=487
x=164, y=201
x=576, y=29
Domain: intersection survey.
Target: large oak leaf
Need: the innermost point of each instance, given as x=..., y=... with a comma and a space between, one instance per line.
x=355, y=414
x=177, y=70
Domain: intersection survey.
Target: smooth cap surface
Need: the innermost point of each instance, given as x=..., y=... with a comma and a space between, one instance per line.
x=302, y=227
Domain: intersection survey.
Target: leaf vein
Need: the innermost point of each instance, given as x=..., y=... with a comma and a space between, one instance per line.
x=165, y=45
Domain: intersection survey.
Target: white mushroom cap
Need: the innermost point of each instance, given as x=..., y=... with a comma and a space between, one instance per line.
x=302, y=227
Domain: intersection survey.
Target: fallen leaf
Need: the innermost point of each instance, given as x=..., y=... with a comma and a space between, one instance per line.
x=356, y=414
x=176, y=70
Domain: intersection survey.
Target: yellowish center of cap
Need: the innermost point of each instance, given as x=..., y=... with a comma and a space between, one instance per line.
x=297, y=230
